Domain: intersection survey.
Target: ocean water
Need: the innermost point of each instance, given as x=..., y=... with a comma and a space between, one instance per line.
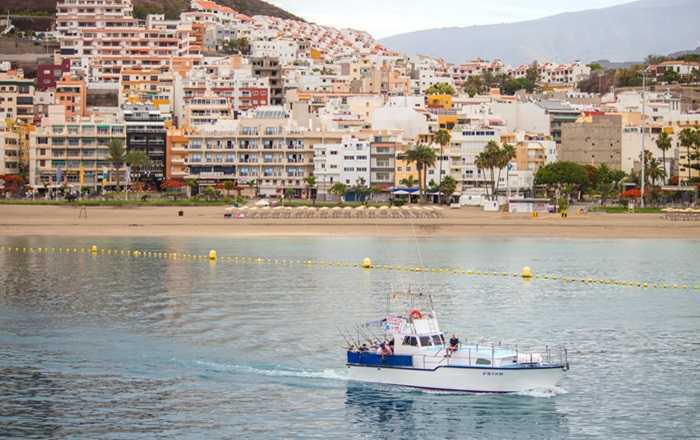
x=141, y=348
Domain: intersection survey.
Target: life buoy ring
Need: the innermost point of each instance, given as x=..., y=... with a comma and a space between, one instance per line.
x=415, y=314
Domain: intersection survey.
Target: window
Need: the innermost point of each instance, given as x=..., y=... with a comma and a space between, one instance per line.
x=425, y=341
x=410, y=340
x=481, y=361
x=438, y=340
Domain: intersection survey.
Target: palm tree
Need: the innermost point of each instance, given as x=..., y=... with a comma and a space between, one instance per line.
x=409, y=182
x=339, y=189
x=663, y=143
x=117, y=156
x=655, y=170
x=424, y=158
x=448, y=186
x=137, y=159
x=310, y=185
x=480, y=163
x=494, y=157
x=191, y=185
x=443, y=138
x=503, y=158
x=488, y=159
x=687, y=140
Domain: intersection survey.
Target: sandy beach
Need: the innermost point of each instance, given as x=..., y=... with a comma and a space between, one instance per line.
x=19, y=220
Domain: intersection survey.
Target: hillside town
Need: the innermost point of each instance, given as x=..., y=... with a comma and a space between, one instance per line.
x=274, y=108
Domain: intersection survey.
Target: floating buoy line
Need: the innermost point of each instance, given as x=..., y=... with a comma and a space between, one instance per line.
x=366, y=264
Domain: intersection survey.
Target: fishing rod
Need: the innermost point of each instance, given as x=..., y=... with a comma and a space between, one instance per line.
x=349, y=344
x=364, y=335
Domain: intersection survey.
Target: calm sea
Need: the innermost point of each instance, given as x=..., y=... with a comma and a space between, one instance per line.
x=141, y=348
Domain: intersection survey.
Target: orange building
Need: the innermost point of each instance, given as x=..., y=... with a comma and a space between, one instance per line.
x=72, y=95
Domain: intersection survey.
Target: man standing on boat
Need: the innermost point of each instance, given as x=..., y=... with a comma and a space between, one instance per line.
x=454, y=345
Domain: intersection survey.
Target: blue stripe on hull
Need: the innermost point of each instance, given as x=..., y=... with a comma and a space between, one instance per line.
x=550, y=367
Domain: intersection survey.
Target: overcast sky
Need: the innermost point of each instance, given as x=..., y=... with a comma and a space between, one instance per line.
x=383, y=18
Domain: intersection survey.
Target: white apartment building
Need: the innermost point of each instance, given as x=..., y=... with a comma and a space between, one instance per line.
x=265, y=149
x=471, y=140
x=555, y=74
x=285, y=50
x=346, y=162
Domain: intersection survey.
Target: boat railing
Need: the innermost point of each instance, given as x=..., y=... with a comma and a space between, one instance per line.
x=467, y=357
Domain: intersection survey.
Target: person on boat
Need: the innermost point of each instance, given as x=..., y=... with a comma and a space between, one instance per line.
x=384, y=350
x=391, y=345
x=454, y=345
x=364, y=348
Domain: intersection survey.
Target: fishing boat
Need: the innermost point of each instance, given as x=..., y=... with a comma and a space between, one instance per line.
x=409, y=349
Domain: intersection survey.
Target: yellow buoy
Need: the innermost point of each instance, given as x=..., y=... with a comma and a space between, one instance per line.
x=526, y=272
x=366, y=263
x=93, y=249
x=212, y=255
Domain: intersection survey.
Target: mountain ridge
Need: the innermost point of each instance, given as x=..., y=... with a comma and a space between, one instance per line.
x=620, y=32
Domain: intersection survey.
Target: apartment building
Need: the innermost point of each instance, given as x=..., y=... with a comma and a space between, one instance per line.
x=74, y=152
x=72, y=95
x=286, y=51
x=100, y=37
x=231, y=79
x=346, y=162
x=467, y=142
x=559, y=114
x=206, y=110
x=146, y=131
x=555, y=74
x=265, y=149
x=270, y=68
x=48, y=74
x=593, y=140
x=9, y=150
x=384, y=148
x=145, y=86
x=16, y=97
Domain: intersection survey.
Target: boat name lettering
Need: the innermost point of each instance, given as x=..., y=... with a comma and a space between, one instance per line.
x=492, y=373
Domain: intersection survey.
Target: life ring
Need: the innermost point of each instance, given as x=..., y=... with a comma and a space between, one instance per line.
x=415, y=314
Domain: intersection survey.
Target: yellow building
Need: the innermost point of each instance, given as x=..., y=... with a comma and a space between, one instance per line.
x=440, y=101
x=141, y=86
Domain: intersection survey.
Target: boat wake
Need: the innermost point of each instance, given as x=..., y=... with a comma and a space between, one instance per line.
x=543, y=392
x=329, y=374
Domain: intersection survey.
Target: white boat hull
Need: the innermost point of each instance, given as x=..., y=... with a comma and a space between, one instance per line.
x=468, y=379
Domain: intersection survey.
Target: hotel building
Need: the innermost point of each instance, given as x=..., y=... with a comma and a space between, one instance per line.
x=74, y=152
x=266, y=149
x=9, y=150
x=16, y=97
x=100, y=37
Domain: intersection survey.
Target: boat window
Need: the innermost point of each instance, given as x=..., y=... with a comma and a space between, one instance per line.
x=437, y=340
x=481, y=361
x=425, y=341
x=410, y=340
